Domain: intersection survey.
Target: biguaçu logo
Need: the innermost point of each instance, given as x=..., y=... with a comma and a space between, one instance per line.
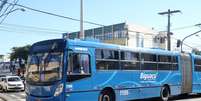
x=149, y=76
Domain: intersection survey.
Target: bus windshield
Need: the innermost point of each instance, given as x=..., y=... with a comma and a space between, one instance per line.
x=44, y=67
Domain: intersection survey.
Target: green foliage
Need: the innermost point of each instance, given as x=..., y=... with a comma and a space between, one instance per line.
x=196, y=51
x=20, y=52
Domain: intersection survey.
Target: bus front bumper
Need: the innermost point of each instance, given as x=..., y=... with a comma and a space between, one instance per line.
x=53, y=98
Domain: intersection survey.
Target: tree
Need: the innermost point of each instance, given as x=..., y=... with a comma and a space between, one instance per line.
x=20, y=53
x=196, y=51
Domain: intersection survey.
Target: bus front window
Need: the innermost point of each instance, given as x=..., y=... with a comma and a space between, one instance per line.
x=44, y=67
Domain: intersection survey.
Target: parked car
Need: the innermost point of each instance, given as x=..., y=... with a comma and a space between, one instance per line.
x=12, y=83
x=2, y=76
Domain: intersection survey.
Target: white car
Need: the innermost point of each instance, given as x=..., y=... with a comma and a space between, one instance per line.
x=12, y=83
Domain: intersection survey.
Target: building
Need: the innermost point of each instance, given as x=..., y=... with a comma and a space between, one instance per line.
x=160, y=41
x=123, y=34
x=5, y=68
x=8, y=67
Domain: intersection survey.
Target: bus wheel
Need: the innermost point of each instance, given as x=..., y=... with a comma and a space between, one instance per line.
x=165, y=93
x=106, y=96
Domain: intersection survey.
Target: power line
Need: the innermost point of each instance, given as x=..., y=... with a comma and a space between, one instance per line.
x=5, y=9
x=184, y=27
x=53, y=14
x=32, y=27
x=26, y=31
x=2, y=4
x=29, y=30
x=6, y=14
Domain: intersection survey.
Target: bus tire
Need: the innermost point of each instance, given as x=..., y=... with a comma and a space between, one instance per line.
x=165, y=93
x=106, y=95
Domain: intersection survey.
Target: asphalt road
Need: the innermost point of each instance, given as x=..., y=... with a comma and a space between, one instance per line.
x=12, y=96
x=191, y=97
x=20, y=96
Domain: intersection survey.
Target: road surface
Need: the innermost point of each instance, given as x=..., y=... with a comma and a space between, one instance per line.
x=20, y=96
x=191, y=97
x=12, y=96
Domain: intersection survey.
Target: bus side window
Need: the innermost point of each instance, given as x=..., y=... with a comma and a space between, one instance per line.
x=76, y=64
x=79, y=63
x=85, y=65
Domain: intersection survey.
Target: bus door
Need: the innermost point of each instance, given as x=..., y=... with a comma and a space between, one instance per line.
x=186, y=69
x=79, y=70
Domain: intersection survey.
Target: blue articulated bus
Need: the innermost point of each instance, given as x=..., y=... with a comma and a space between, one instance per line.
x=75, y=70
x=196, y=74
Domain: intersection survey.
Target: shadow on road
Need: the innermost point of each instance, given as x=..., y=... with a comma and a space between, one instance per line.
x=182, y=97
x=175, y=98
x=10, y=91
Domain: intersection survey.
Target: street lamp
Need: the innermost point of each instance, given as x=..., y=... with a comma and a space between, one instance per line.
x=198, y=36
x=188, y=37
x=199, y=24
x=21, y=9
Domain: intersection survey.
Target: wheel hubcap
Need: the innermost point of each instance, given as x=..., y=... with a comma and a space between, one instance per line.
x=106, y=98
x=165, y=93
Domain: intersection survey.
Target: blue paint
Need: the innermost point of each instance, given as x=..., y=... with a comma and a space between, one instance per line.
x=127, y=84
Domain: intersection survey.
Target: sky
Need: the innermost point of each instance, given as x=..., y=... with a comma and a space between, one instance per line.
x=39, y=26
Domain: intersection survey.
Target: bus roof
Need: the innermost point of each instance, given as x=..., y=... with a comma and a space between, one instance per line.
x=47, y=45
x=119, y=47
x=81, y=43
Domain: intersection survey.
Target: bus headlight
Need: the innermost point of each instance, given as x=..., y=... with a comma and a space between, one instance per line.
x=59, y=90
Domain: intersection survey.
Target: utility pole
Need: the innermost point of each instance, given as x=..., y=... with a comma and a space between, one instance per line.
x=81, y=36
x=169, y=12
